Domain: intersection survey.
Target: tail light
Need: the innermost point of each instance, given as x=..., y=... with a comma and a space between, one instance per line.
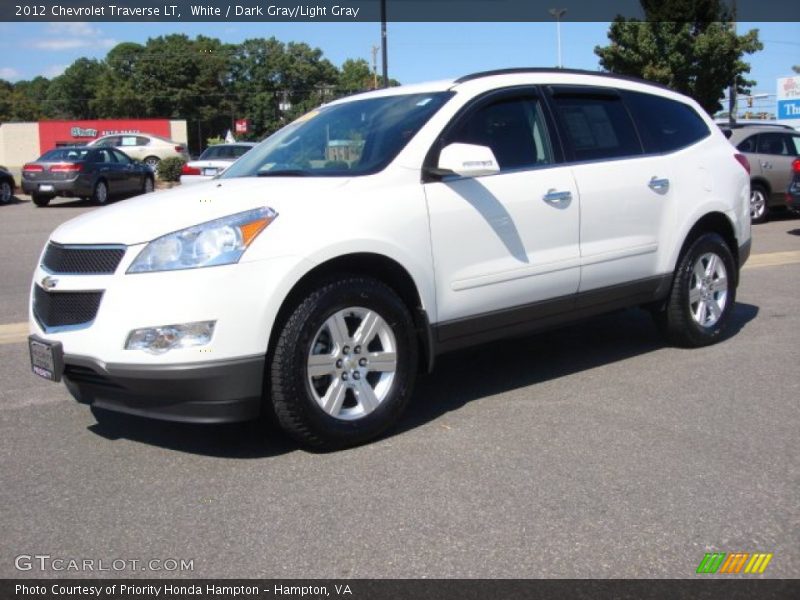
x=66, y=168
x=32, y=168
x=796, y=165
x=742, y=159
x=179, y=149
x=187, y=170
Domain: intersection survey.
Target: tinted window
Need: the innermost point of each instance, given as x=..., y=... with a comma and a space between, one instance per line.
x=597, y=126
x=665, y=125
x=774, y=143
x=64, y=154
x=748, y=144
x=224, y=152
x=142, y=141
x=514, y=130
x=796, y=144
x=105, y=156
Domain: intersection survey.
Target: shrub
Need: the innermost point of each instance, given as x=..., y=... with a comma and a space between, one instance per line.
x=169, y=169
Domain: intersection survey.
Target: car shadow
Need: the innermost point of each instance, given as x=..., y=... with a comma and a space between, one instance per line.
x=459, y=378
x=12, y=200
x=794, y=232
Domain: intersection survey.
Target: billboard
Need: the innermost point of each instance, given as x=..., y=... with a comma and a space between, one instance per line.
x=788, y=98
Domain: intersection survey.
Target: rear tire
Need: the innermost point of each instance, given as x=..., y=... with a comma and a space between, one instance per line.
x=703, y=294
x=759, y=211
x=344, y=364
x=40, y=200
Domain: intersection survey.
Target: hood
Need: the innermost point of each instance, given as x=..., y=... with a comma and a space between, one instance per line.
x=144, y=218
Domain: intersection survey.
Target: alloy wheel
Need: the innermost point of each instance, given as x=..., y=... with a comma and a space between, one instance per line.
x=708, y=289
x=352, y=363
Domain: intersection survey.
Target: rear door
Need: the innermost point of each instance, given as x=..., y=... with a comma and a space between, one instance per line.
x=503, y=242
x=624, y=193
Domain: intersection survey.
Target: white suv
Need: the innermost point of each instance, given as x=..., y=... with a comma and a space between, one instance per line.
x=329, y=264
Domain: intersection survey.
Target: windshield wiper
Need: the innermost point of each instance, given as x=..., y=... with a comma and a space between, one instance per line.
x=284, y=173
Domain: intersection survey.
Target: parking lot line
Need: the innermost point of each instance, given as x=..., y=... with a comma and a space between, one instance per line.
x=15, y=333
x=773, y=259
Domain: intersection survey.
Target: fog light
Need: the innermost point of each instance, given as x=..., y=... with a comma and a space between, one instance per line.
x=157, y=340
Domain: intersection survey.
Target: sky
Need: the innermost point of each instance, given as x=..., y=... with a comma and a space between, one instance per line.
x=417, y=51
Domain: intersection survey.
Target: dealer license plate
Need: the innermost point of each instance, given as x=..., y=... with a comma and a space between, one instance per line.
x=47, y=358
x=46, y=188
x=210, y=172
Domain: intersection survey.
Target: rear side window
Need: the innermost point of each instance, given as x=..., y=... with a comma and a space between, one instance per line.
x=779, y=144
x=597, y=126
x=665, y=125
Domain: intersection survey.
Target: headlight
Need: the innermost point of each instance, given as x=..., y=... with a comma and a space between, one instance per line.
x=219, y=242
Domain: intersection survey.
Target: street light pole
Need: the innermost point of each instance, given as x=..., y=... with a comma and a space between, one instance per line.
x=558, y=13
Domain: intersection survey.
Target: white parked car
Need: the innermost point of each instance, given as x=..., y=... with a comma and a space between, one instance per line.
x=323, y=269
x=213, y=161
x=147, y=148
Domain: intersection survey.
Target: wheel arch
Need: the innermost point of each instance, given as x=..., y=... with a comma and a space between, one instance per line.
x=367, y=264
x=761, y=182
x=713, y=222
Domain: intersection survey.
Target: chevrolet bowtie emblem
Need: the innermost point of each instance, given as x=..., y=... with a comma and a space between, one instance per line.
x=49, y=283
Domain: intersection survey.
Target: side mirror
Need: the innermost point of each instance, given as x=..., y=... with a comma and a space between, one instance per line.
x=467, y=160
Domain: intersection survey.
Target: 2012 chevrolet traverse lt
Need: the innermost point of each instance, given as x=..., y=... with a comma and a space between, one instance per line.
x=322, y=270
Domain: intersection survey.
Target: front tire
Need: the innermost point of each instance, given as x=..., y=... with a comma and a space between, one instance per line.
x=759, y=211
x=152, y=162
x=148, y=185
x=100, y=194
x=344, y=364
x=703, y=293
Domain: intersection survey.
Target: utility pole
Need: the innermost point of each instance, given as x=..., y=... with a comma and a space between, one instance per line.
x=375, y=66
x=384, y=41
x=732, y=88
x=558, y=13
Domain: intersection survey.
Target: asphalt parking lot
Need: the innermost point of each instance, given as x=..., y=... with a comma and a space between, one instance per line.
x=591, y=451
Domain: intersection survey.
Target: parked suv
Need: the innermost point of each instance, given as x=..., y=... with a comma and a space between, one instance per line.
x=322, y=270
x=770, y=151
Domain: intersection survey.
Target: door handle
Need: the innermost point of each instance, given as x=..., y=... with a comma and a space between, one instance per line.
x=659, y=185
x=556, y=197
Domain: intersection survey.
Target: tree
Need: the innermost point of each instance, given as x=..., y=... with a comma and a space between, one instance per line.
x=70, y=95
x=796, y=68
x=687, y=45
x=355, y=76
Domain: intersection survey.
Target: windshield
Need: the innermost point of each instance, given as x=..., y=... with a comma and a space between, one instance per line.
x=353, y=138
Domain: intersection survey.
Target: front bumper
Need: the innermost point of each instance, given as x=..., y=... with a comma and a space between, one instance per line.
x=210, y=392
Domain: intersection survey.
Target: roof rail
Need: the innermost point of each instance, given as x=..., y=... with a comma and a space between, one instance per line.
x=523, y=70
